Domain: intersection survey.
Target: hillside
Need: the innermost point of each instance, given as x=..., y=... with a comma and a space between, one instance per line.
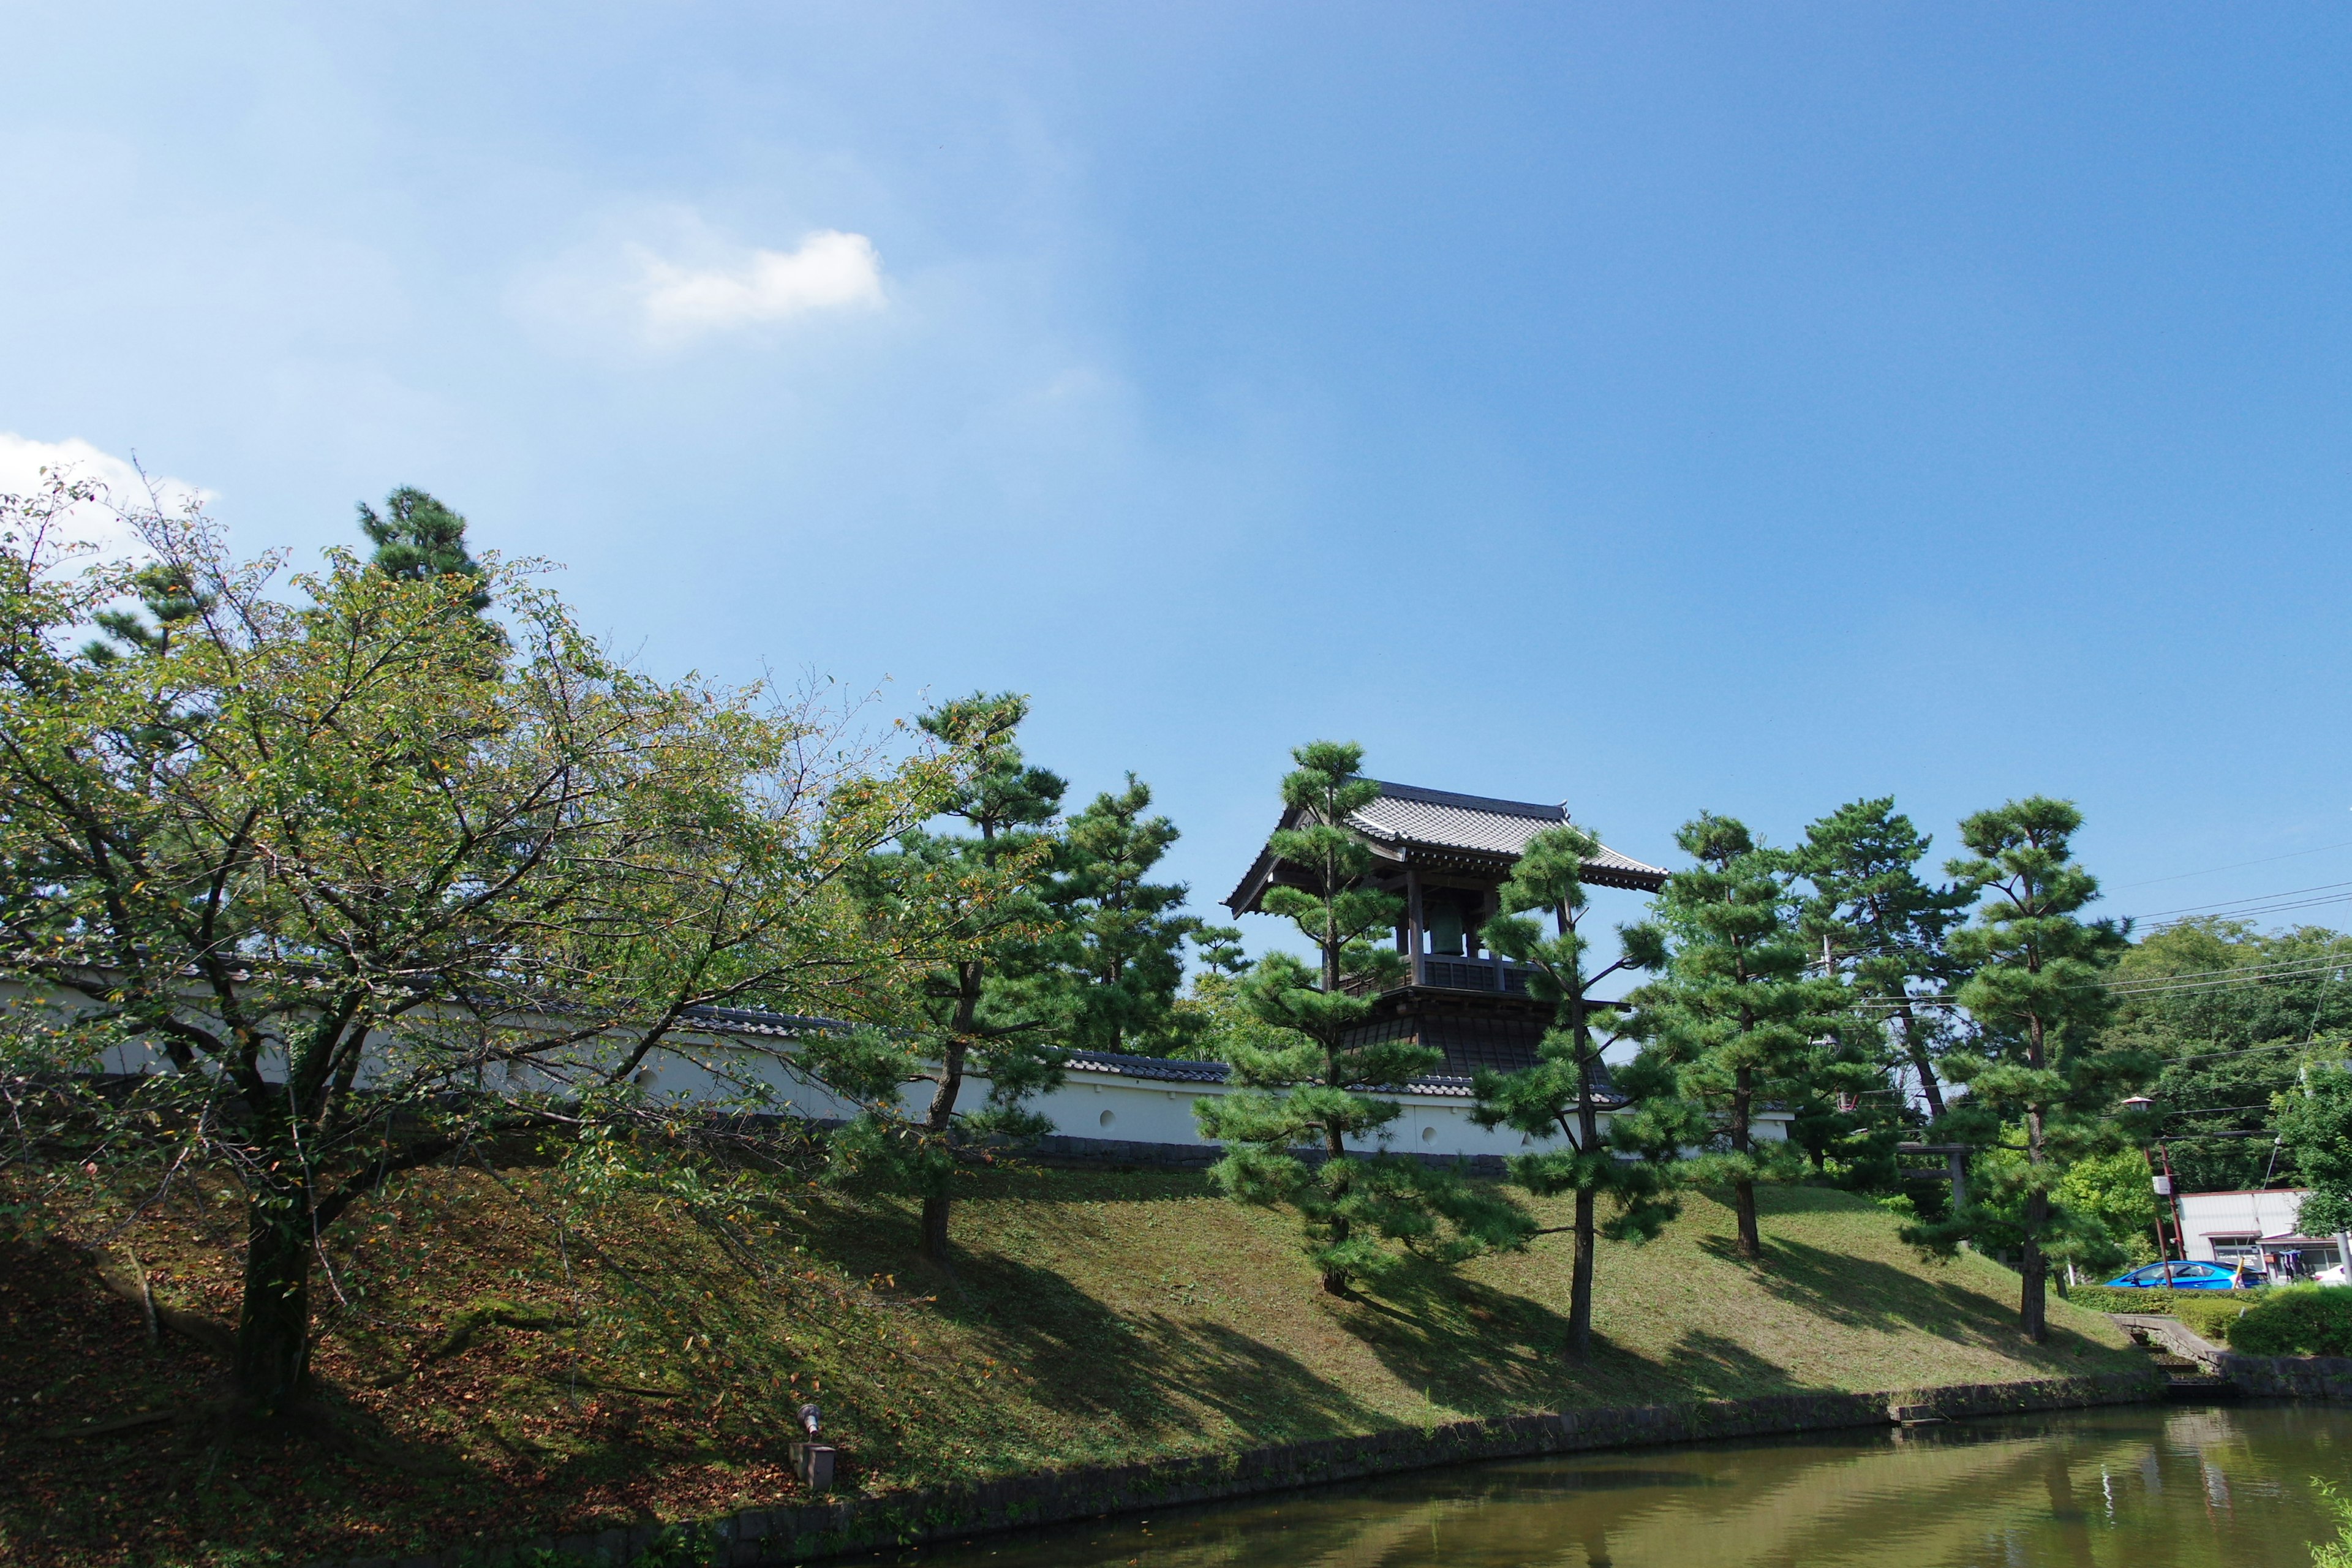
x=644, y=1364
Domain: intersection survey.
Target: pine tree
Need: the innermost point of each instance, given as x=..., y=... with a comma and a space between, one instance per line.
x=1127, y=931
x=1317, y=1091
x=1734, y=1015
x=1559, y=1093
x=992, y=1006
x=1884, y=928
x=2041, y=1081
x=416, y=537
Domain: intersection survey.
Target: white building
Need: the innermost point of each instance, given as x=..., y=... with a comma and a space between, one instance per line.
x=2259, y=1228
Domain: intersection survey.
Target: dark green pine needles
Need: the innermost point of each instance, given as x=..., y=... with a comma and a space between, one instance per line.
x=1734, y=1015
x=1559, y=1096
x=1302, y=1102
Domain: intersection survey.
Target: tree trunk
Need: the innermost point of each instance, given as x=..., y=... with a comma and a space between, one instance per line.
x=939, y=1121
x=2033, y=1288
x=2031, y=1306
x=1335, y=1281
x=1743, y=1190
x=1920, y=1064
x=1588, y=1139
x=1579, y=1290
x=934, y=1243
x=273, y=1330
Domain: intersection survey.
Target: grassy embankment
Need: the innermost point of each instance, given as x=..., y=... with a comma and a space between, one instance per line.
x=647, y=1366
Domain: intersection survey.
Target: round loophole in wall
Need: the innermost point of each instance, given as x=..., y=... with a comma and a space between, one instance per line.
x=1429, y=1135
x=1106, y=1118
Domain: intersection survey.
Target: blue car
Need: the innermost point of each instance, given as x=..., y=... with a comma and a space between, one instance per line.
x=2179, y=1277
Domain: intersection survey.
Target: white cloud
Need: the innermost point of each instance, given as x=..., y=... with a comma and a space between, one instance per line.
x=830, y=271
x=99, y=522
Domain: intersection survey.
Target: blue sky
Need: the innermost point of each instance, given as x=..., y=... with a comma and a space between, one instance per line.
x=1660, y=408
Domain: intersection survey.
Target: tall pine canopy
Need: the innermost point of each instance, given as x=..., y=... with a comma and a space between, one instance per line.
x=1559, y=1096
x=1317, y=1089
x=1878, y=923
x=991, y=1004
x=2043, y=1082
x=1126, y=932
x=1735, y=1016
x=416, y=537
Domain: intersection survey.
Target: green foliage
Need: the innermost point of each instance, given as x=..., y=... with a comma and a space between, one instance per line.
x=2232, y=1013
x=2296, y=1320
x=1559, y=1095
x=1126, y=934
x=2190, y=1306
x=2042, y=1078
x=1734, y=1016
x=994, y=998
x=1886, y=932
x=1310, y=1082
x=2336, y=1553
x=417, y=538
x=2314, y=1122
x=352, y=839
x=1215, y=1021
x=2113, y=1190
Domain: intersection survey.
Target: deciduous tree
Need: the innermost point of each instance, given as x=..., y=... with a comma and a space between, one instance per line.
x=377, y=881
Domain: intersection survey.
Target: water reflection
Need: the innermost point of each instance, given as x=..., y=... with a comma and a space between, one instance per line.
x=2140, y=1487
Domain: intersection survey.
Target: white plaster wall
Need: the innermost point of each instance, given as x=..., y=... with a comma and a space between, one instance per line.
x=1092, y=1104
x=700, y=1068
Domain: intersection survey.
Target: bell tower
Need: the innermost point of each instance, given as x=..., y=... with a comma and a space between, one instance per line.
x=1446, y=856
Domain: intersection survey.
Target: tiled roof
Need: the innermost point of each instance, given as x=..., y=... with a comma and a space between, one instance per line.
x=753, y=1021
x=1406, y=814
x=1168, y=1070
x=1162, y=1069
x=1406, y=818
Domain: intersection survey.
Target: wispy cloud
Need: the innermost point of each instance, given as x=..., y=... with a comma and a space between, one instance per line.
x=830, y=271
x=26, y=467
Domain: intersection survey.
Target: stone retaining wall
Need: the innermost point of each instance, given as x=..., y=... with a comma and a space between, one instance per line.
x=817, y=1530
x=2264, y=1376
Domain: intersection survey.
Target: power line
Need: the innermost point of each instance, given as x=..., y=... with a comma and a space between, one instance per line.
x=2235, y=865
x=2305, y=962
x=2256, y=899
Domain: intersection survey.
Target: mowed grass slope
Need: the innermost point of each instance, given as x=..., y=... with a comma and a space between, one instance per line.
x=496, y=1373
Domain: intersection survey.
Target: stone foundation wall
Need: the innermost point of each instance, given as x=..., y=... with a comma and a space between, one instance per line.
x=799, y=1534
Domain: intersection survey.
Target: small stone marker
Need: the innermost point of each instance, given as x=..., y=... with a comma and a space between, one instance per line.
x=1914, y=1415
x=812, y=1460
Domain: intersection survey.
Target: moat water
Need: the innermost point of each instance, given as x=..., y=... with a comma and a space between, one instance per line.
x=2130, y=1487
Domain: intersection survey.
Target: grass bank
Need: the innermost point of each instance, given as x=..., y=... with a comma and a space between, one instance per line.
x=498, y=1374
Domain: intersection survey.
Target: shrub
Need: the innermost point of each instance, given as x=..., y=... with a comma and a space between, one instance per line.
x=2296, y=1320
x=2119, y=1299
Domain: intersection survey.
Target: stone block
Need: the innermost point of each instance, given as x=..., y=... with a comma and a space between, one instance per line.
x=813, y=1462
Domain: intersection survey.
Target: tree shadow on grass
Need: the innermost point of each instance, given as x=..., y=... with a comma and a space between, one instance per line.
x=1474, y=1348
x=78, y=1355
x=1138, y=1378
x=1863, y=1293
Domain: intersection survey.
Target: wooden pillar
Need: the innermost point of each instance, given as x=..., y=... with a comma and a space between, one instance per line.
x=1413, y=927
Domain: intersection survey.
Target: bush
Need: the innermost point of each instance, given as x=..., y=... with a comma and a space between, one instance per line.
x=2119, y=1299
x=2296, y=1320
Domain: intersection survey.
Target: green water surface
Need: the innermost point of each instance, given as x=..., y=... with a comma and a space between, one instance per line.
x=2127, y=1487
